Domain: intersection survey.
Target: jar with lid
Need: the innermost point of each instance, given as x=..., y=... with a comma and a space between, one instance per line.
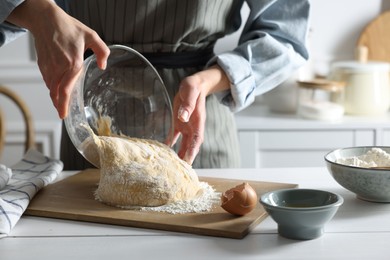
x=321, y=99
x=367, y=90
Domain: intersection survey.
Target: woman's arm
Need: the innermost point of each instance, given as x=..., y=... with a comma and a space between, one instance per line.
x=8, y=31
x=60, y=42
x=189, y=109
x=270, y=49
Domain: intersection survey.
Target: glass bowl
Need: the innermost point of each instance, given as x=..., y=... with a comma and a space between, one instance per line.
x=129, y=95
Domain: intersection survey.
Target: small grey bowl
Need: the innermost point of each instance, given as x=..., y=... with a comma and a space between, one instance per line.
x=367, y=183
x=301, y=213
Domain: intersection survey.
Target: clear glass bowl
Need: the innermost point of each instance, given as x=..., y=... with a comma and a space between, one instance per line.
x=129, y=92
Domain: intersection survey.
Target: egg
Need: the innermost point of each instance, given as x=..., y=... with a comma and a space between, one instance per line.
x=239, y=200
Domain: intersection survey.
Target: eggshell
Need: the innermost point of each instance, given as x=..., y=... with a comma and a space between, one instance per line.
x=239, y=200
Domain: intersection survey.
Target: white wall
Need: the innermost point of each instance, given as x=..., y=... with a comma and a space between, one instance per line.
x=335, y=24
x=20, y=73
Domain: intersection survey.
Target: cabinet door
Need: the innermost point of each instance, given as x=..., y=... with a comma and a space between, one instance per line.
x=47, y=141
x=296, y=148
x=386, y=137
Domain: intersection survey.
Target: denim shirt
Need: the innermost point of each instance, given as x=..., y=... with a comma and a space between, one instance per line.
x=271, y=46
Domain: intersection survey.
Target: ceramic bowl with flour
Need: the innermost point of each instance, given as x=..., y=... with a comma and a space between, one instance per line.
x=127, y=98
x=362, y=170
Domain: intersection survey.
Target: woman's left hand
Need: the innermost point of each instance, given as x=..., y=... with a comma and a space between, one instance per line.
x=189, y=109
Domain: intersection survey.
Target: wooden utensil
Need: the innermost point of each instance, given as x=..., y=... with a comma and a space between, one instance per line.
x=375, y=36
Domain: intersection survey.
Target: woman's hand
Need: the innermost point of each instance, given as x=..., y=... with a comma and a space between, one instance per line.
x=189, y=109
x=60, y=42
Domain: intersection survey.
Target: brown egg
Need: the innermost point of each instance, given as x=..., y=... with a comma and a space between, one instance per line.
x=239, y=200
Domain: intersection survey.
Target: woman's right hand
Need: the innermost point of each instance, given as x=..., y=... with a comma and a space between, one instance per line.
x=60, y=43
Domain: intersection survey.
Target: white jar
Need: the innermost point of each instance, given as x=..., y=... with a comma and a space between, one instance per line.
x=321, y=99
x=367, y=90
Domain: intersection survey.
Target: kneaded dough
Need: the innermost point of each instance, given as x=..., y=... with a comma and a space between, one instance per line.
x=141, y=172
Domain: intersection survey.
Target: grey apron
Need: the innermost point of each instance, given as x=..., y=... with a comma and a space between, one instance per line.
x=166, y=26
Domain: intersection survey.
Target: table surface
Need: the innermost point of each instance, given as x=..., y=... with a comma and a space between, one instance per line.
x=258, y=116
x=359, y=230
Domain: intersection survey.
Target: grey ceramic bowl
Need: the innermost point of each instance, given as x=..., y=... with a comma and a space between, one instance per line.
x=367, y=183
x=301, y=213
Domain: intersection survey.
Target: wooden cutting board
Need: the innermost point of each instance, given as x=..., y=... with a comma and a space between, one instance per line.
x=375, y=36
x=73, y=199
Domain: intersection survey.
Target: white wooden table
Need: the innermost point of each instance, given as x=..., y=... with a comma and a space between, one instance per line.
x=360, y=230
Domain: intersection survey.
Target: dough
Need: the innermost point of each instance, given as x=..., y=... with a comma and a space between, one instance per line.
x=140, y=172
x=89, y=150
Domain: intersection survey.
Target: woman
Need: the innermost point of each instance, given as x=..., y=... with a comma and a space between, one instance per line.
x=206, y=90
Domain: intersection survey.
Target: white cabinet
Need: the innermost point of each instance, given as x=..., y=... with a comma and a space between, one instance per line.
x=386, y=136
x=278, y=140
x=47, y=140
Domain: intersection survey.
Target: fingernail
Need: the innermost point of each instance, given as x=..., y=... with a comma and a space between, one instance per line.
x=171, y=140
x=183, y=115
x=188, y=158
x=174, y=140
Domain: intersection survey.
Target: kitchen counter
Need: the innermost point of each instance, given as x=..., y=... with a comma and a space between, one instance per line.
x=259, y=116
x=359, y=230
x=269, y=139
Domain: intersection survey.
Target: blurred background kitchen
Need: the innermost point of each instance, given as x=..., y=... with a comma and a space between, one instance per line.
x=272, y=132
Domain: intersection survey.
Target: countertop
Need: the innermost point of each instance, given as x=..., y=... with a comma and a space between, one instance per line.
x=359, y=230
x=259, y=116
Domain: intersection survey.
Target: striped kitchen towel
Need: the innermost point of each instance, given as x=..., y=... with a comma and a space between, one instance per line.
x=27, y=177
x=5, y=176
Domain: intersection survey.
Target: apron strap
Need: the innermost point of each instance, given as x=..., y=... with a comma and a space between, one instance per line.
x=175, y=60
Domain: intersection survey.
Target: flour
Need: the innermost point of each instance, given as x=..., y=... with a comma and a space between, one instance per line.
x=203, y=203
x=373, y=158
